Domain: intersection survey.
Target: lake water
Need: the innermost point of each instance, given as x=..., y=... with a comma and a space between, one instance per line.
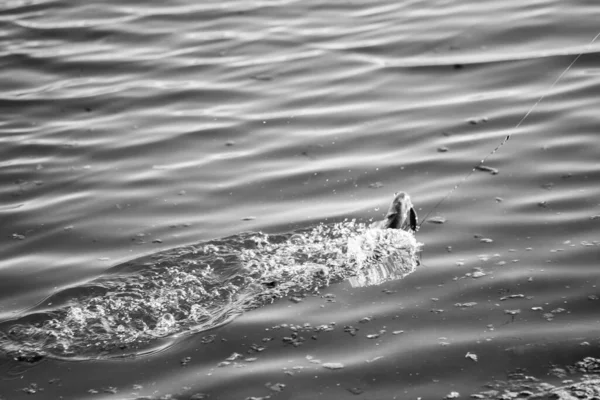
x=129, y=129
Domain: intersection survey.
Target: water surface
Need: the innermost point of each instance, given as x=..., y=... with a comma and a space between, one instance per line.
x=128, y=129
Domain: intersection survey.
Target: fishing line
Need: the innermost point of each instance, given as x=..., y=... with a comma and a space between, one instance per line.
x=482, y=161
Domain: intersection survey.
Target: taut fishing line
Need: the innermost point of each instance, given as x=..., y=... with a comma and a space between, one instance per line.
x=516, y=127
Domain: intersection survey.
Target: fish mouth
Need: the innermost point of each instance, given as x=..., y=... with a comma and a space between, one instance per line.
x=393, y=221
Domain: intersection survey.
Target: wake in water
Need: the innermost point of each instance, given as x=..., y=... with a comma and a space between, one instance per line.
x=144, y=304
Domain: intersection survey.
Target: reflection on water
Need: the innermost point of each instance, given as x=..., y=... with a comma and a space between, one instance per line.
x=129, y=128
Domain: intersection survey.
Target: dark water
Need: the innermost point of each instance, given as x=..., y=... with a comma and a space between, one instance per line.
x=127, y=129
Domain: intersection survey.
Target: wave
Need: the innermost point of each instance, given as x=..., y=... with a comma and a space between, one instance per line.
x=143, y=305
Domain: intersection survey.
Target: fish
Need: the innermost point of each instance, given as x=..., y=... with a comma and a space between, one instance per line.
x=401, y=215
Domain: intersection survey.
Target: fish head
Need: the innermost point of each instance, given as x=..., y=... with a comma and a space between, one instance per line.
x=401, y=214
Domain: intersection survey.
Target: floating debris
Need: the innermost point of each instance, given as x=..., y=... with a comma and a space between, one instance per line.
x=442, y=149
x=466, y=305
x=248, y=218
x=333, y=366
x=486, y=240
x=548, y=316
x=254, y=348
x=512, y=296
x=33, y=388
x=376, y=185
x=276, y=387
x=588, y=365
x=471, y=356
x=294, y=339
x=437, y=220
x=234, y=356
x=351, y=330
x=208, y=339
x=185, y=361
x=512, y=312
x=18, y=236
x=477, y=273
x=453, y=395
x=325, y=327
x=356, y=390
x=485, y=168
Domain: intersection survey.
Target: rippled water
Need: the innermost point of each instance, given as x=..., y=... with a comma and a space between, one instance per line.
x=130, y=129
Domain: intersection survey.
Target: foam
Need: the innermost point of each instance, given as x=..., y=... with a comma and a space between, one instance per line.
x=196, y=288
